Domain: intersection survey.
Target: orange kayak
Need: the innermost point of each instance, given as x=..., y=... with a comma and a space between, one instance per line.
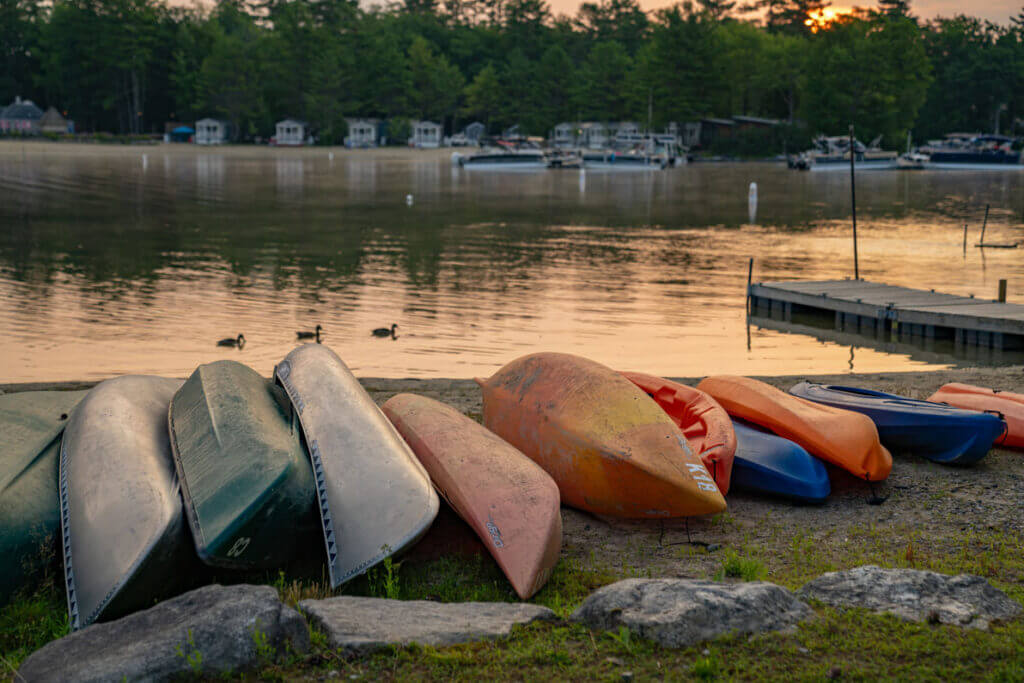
x=1006, y=403
x=608, y=446
x=511, y=503
x=842, y=437
x=705, y=423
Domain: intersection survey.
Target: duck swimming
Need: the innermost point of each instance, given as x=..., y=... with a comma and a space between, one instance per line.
x=310, y=335
x=238, y=341
x=385, y=332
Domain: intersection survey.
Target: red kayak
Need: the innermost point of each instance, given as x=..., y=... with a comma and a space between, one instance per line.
x=511, y=503
x=1006, y=403
x=704, y=423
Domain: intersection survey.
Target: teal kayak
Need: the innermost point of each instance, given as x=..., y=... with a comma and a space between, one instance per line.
x=31, y=423
x=245, y=474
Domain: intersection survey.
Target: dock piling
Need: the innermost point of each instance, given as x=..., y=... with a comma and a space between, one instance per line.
x=1002, y=291
x=853, y=206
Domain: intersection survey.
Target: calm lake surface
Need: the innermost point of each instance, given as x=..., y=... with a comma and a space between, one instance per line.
x=137, y=260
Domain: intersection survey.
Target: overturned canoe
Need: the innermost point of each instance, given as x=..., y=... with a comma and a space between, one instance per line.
x=511, y=503
x=705, y=423
x=245, y=475
x=608, y=446
x=766, y=463
x=846, y=439
x=1006, y=404
x=31, y=423
x=126, y=542
x=374, y=496
x=935, y=431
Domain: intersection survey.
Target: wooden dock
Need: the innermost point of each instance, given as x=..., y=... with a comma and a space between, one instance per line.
x=874, y=308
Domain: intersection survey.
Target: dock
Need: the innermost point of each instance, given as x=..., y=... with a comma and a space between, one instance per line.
x=875, y=309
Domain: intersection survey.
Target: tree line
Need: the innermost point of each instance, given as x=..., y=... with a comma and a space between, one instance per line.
x=129, y=66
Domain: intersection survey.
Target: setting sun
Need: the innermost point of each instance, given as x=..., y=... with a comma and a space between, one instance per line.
x=819, y=19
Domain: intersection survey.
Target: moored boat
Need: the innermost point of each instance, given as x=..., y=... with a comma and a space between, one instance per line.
x=126, y=542
x=607, y=445
x=841, y=437
x=610, y=160
x=766, y=463
x=973, y=151
x=1007, y=404
x=374, y=496
x=932, y=430
x=834, y=153
x=509, y=501
x=705, y=424
x=31, y=424
x=245, y=475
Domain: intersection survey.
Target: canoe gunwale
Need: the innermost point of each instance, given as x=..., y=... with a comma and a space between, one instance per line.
x=193, y=519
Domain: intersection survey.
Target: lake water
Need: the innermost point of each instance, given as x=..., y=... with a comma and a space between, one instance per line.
x=137, y=260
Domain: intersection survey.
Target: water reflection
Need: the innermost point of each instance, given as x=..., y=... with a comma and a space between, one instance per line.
x=104, y=269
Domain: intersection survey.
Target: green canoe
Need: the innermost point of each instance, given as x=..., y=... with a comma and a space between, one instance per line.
x=244, y=470
x=31, y=423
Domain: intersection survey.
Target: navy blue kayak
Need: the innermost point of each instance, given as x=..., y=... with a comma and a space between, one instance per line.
x=935, y=431
x=767, y=463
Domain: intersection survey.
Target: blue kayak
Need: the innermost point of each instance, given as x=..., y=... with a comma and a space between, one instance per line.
x=935, y=431
x=767, y=463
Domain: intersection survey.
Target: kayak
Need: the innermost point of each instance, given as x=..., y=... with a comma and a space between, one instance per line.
x=705, y=423
x=935, y=431
x=245, y=475
x=375, y=498
x=1006, y=404
x=846, y=439
x=766, y=463
x=31, y=423
x=126, y=542
x=608, y=446
x=511, y=503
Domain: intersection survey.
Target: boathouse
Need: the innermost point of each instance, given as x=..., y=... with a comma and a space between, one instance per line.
x=291, y=133
x=212, y=132
x=425, y=135
x=54, y=122
x=362, y=133
x=20, y=117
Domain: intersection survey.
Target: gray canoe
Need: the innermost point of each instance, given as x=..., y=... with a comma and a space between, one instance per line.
x=375, y=497
x=125, y=539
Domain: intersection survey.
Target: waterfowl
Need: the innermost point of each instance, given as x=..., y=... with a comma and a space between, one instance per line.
x=238, y=341
x=310, y=335
x=385, y=332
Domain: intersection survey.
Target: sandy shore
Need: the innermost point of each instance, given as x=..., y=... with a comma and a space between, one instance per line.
x=930, y=510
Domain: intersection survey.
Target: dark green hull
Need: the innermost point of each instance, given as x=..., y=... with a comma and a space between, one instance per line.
x=245, y=473
x=31, y=424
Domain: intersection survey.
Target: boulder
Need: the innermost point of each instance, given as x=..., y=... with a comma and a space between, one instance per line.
x=210, y=630
x=361, y=625
x=681, y=612
x=915, y=595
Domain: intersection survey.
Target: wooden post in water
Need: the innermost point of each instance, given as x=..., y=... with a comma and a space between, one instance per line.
x=965, y=238
x=983, y=224
x=853, y=206
x=1002, y=291
x=750, y=275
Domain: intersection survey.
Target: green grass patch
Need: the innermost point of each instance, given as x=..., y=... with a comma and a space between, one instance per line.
x=30, y=622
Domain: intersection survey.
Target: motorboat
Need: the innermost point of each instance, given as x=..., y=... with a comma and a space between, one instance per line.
x=833, y=152
x=973, y=150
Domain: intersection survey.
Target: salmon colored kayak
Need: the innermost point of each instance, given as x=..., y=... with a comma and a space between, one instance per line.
x=1006, y=403
x=842, y=437
x=705, y=423
x=608, y=446
x=511, y=503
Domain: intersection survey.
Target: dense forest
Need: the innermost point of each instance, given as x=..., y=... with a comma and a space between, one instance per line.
x=129, y=66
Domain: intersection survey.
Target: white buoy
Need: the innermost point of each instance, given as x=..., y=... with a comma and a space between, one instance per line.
x=752, y=203
x=145, y=162
x=330, y=156
x=408, y=200
x=583, y=180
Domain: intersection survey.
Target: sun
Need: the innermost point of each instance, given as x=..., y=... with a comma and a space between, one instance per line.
x=819, y=19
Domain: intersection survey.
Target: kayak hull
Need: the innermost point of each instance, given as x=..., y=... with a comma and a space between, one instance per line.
x=1009, y=405
x=375, y=498
x=608, y=446
x=509, y=501
x=935, y=431
x=126, y=542
x=31, y=424
x=766, y=463
x=846, y=439
x=245, y=474
x=705, y=424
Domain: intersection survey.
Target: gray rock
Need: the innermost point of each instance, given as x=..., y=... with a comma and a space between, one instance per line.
x=210, y=630
x=915, y=595
x=681, y=612
x=361, y=625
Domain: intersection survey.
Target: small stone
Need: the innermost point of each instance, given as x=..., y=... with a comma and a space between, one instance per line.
x=803, y=650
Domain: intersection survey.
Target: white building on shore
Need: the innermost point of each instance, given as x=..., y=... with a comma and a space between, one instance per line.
x=362, y=133
x=291, y=133
x=212, y=132
x=425, y=135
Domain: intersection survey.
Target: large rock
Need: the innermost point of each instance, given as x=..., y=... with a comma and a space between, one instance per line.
x=210, y=630
x=361, y=625
x=915, y=595
x=681, y=612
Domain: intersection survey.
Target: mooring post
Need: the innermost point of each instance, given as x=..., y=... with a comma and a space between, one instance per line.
x=965, y=238
x=983, y=224
x=853, y=206
x=1002, y=291
x=750, y=275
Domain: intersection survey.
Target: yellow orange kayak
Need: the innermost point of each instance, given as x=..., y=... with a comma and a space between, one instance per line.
x=842, y=437
x=705, y=423
x=608, y=446
x=1006, y=403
